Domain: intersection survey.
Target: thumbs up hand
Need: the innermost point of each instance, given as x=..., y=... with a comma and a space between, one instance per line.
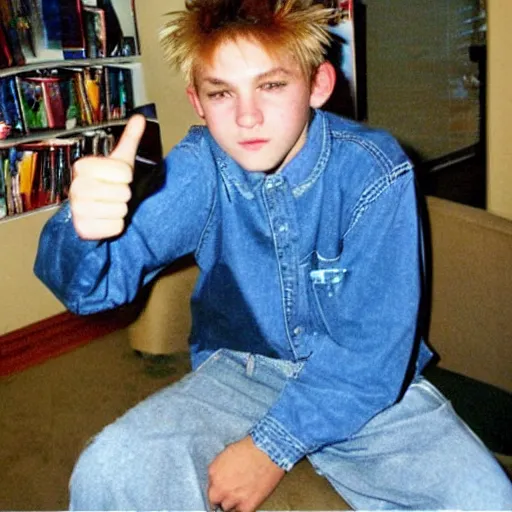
x=100, y=190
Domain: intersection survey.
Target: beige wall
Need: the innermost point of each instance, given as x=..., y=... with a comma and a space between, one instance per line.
x=23, y=299
x=499, y=105
x=164, y=86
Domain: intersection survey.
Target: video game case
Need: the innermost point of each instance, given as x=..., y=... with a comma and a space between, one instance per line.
x=46, y=31
x=95, y=32
x=3, y=198
x=126, y=89
x=72, y=26
x=53, y=102
x=10, y=108
x=6, y=58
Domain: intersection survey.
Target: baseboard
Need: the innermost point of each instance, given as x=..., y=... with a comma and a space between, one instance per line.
x=55, y=336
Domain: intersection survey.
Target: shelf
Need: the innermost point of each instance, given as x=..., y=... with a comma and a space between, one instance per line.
x=52, y=64
x=37, y=211
x=55, y=134
x=63, y=132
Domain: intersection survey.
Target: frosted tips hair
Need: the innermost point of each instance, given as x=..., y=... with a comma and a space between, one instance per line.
x=298, y=27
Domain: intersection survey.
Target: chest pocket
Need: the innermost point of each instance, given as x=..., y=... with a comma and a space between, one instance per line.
x=326, y=279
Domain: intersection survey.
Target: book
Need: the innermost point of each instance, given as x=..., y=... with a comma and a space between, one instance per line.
x=6, y=171
x=114, y=31
x=6, y=58
x=13, y=184
x=46, y=31
x=10, y=107
x=86, y=113
x=3, y=198
x=69, y=99
x=27, y=161
x=32, y=104
x=49, y=24
x=13, y=41
x=95, y=91
x=52, y=103
x=23, y=16
x=126, y=89
x=95, y=32
x=72, y=29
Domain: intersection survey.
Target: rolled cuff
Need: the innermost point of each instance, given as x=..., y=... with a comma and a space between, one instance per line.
x=282, y=448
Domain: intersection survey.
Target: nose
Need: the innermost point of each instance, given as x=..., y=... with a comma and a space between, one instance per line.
x=248, y=113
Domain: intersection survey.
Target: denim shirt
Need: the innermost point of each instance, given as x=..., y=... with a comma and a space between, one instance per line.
x=320, y=263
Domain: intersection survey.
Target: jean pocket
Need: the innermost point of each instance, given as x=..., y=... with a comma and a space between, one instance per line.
x=430, y=389
x=212, y=357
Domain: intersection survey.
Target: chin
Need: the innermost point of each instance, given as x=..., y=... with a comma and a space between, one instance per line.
x=259, y=165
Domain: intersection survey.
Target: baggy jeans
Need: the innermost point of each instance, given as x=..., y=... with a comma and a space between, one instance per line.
x=417, y=454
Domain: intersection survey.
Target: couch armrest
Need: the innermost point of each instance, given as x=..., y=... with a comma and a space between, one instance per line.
x=471, y=291
x=163, y=326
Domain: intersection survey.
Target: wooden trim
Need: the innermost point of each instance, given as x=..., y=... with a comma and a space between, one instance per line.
x=57, y=335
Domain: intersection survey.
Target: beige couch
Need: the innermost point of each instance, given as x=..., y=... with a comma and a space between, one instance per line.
x=470, y=328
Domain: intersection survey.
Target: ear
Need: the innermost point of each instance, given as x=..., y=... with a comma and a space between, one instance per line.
x=322, y=85
x=193, y=97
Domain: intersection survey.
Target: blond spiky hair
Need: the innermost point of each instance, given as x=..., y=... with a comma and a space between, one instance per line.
x=296, y=27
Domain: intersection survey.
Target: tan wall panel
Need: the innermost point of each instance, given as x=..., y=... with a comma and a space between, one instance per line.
x=23, y=298
x=164, y=85
x=499, y=103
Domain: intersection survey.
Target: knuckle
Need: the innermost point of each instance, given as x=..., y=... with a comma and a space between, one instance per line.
x=123, y=210
x=85, y=164
x=78, y=209
x=84, y=230
x=125, y=193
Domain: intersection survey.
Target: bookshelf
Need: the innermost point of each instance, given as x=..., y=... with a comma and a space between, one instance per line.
x=69, y=79
x=59, y=133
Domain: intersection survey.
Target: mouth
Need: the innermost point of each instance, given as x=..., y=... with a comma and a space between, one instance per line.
x=253, y=144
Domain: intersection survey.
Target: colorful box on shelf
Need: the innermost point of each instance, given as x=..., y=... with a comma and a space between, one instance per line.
x=32, y=32
x=69, y=97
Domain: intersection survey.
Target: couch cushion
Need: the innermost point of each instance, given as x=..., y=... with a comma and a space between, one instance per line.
x=303, y=489
x=485, y=408
x=471, y=291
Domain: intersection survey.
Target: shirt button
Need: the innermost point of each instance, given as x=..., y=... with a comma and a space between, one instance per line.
x=283, y=228
x=297, y=331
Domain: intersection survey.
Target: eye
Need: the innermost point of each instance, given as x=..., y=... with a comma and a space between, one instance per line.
x=272, y=86
x=217, y=95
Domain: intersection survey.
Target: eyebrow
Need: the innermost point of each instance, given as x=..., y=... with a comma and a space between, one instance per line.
x=262, y=76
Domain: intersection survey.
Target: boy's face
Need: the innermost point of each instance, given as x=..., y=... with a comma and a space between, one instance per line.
x=256, y=107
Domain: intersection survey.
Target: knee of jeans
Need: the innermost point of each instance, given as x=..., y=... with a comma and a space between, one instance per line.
x=103, y=454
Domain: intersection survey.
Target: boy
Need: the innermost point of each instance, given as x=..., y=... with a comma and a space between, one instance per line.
x=305, y=337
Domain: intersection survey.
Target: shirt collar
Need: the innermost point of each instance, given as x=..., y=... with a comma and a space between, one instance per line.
x=301, y=172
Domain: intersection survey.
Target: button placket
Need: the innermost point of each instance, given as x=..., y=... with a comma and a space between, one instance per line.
x=280, y=219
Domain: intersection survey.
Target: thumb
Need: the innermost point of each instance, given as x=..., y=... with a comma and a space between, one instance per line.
x=128, y=144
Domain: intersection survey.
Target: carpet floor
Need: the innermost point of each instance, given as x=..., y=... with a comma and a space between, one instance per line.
x=49, y=411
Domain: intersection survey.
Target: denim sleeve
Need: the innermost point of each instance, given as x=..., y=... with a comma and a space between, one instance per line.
x=358, y=368
x=89, y=276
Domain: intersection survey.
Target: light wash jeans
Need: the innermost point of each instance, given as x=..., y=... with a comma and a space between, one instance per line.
x=415, y=455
